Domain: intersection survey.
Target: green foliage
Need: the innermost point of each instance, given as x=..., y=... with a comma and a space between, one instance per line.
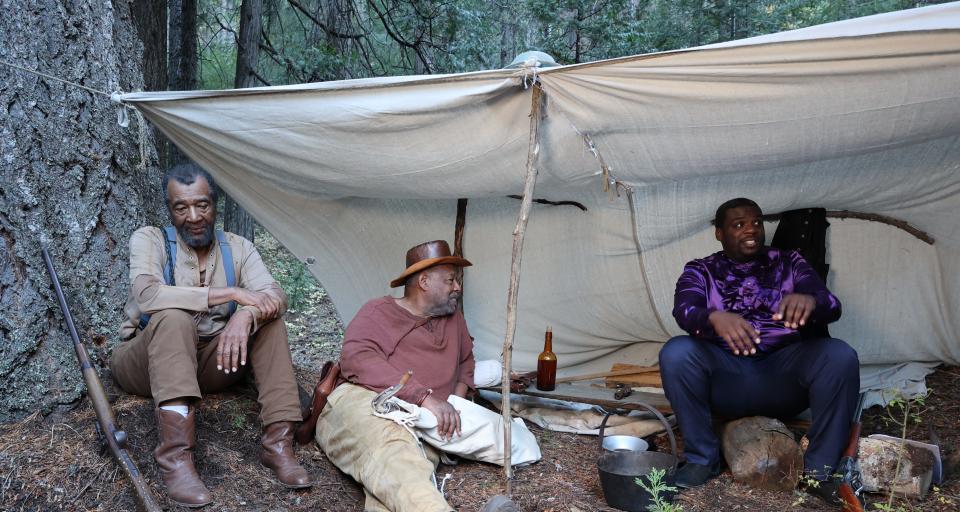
x=218, y=48
x=904, y=411
x=656, y=488
x=302, y=289
x=317, y=40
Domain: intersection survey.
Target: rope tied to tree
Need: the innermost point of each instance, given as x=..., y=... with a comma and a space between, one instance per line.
x=58, y=79
x=123, y=117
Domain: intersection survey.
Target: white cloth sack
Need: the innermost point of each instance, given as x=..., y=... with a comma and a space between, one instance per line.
x=481, y=432
x=487, y=373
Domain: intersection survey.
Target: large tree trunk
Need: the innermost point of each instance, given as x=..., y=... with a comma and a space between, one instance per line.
x=338, y=16
x=150, y=19
x=508, y=29
x=182, y=55
x=71, y=178
x=236, y=219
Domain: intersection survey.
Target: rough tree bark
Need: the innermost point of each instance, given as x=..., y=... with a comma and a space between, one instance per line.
x=236, y=219
x=508, y=29
x=338, y=16
x=70, y=177
x=150, y=19
x=182, y=55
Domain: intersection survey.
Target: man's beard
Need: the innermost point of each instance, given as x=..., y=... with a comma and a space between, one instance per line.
x=196, y=241
x=447, y=307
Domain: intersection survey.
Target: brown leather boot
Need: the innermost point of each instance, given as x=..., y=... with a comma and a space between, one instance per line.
x=174, y=455
x=277, y=454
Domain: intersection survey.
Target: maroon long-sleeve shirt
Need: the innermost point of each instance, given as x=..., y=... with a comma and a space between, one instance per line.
x=384, y=340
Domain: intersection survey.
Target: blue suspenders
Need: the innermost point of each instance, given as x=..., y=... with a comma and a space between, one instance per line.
x=226, y=254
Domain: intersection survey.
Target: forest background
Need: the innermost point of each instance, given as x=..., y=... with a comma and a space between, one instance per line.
x=71, y=179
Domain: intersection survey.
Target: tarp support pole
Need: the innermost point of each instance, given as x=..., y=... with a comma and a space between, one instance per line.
x=458, y=230
x=533, y=149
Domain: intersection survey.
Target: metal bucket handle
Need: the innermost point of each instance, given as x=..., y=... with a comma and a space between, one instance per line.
x=669, y=429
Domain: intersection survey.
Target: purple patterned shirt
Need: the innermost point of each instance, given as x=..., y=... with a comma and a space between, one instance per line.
x=753, y=290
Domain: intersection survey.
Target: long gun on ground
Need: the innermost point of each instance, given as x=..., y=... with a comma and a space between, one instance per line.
x=116, y=439
x=850, y=485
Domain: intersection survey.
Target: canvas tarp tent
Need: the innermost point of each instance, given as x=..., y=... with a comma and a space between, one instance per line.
x=860, y=115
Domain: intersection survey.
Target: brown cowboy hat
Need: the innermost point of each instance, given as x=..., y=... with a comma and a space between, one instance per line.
x=426, y=255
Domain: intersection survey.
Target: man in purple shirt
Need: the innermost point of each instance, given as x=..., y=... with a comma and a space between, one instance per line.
x=749, y=311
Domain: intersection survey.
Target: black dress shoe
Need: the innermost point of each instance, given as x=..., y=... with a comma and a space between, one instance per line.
x=694, y=475
x=826, y=490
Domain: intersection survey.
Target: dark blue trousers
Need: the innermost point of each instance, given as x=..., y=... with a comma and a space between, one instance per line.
x=701, y=379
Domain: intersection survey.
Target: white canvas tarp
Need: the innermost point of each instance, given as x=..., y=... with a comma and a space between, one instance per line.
x=861, y=115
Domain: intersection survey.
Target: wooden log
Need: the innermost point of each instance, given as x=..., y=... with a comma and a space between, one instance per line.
x=880, y=472
x=533, y=148
x=762, y=453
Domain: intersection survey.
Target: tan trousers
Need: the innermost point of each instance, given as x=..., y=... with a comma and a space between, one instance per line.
x=379, y=454
x=167, y=361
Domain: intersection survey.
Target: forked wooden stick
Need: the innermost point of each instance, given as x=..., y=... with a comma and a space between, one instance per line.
x=533, y=149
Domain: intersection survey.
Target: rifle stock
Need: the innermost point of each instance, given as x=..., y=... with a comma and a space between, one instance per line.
x=848, y=498
x=115, y=438
x=850, y=485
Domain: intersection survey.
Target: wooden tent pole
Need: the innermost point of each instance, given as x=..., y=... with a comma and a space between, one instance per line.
x=458, y=230
x=533, y=148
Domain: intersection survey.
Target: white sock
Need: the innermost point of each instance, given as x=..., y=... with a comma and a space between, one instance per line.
x=182, y=409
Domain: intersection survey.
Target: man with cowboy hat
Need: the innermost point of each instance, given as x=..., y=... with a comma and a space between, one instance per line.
x=424, y=332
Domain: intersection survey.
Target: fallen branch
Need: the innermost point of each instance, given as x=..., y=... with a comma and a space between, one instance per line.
x=552, y=203
x=875, y=217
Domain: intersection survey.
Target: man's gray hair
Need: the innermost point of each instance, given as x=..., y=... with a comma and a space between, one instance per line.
x=187, y=174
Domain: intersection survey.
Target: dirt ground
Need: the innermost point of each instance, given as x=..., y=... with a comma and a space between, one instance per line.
x=55, y=463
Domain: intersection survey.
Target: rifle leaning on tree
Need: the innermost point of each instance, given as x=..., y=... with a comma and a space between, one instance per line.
x=849, y=469
x=106, y=425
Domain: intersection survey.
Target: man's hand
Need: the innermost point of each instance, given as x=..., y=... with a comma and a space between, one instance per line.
x=232, y=345
x=448, y=418
x=795, y=310
x=268, y=304
x=739, y=334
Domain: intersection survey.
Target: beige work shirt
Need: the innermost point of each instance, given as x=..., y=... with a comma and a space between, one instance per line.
x=149, y=294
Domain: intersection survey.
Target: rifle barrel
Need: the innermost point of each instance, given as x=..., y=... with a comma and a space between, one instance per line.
x=116, y=438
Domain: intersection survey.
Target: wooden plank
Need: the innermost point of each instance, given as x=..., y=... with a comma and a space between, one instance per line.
x=588, y=394
x=633, y=376
x=612, y=373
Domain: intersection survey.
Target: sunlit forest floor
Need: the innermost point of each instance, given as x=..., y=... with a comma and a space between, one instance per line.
x=55, y=462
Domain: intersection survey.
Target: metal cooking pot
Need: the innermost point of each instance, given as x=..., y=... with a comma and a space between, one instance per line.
x=620, y=469
x=624, y=444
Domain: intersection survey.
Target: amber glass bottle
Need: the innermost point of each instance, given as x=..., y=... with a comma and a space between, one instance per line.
x=547, y=364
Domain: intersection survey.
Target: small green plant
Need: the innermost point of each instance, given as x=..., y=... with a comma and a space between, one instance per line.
x=902, y=412
x=656, y=487
x=238, y=421
x=941, y=498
